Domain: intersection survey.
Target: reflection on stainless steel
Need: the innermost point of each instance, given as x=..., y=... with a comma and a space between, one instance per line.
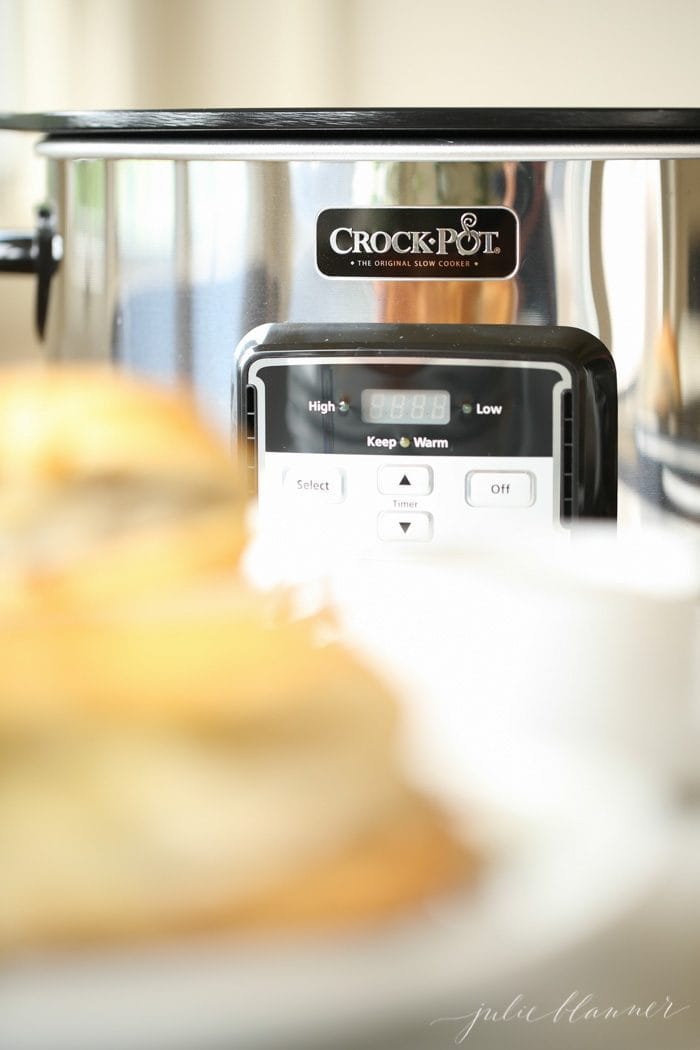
x=170, y=260
x=268, y=239
x=452, y=183
x=667, y=405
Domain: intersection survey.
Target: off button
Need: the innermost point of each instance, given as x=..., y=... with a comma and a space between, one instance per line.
x=500, y=488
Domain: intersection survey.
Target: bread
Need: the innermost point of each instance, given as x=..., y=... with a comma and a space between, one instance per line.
x=178, y=752
x=108, y=487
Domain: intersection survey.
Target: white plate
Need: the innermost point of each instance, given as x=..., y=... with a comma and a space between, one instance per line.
x=576, y=841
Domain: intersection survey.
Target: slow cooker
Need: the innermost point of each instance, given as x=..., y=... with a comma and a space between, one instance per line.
x=446, y=252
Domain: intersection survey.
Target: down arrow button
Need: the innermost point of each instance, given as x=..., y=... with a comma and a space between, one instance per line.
x=401, y=527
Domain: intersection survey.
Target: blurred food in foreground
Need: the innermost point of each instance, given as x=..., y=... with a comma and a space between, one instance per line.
x=107, y=487
x=179, y=753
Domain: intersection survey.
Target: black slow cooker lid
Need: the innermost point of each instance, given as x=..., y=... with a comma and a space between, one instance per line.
x=555, y=124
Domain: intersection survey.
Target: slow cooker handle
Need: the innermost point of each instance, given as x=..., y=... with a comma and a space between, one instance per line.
x=39, y=252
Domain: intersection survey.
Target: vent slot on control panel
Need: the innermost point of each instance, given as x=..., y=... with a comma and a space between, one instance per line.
x=250, y=447
x=567, y=455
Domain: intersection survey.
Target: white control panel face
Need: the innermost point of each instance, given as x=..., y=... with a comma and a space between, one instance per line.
x=383, y=456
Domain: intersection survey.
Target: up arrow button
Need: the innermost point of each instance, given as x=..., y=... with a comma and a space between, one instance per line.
x=394, y=480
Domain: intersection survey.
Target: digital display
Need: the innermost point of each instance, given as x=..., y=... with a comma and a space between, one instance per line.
x=420, y=407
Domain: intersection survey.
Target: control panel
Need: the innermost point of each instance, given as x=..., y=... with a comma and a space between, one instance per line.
x=384, y=438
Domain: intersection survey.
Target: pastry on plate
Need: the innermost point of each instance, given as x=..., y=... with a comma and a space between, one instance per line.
x=107, y=487
x=179, y=753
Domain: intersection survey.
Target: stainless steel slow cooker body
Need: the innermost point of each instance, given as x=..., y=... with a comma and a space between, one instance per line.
x=178, y=241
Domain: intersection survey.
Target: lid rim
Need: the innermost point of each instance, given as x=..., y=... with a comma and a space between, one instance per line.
x=429, y=122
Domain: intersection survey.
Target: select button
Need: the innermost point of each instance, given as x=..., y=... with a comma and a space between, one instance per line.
x=325, y=486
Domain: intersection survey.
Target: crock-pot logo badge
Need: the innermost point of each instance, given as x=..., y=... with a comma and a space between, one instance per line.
x=424, y=243
x=467, y=241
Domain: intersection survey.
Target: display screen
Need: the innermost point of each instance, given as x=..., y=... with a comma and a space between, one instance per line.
x=421, y=407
